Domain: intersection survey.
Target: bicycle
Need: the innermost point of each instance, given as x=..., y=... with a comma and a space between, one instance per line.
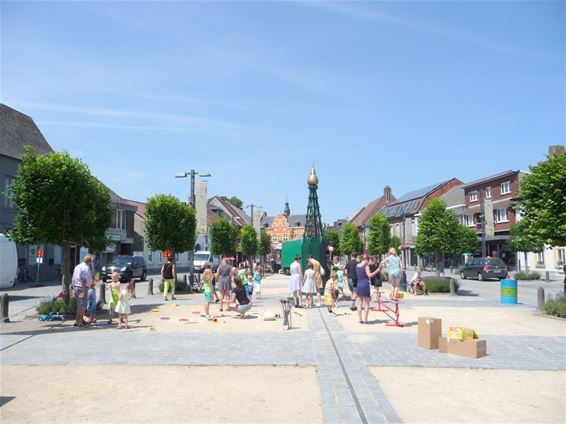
x=23, y=274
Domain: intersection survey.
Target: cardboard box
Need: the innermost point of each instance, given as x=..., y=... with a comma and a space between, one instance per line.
x=474, y=348
x=430, y=330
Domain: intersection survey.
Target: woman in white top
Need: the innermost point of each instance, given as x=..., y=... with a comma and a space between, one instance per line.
x=309, y=286
x=296, y=281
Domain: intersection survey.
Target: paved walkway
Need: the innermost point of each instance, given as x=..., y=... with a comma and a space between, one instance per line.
x=349, y=391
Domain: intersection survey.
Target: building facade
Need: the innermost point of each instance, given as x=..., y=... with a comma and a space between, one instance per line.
x=493, y=198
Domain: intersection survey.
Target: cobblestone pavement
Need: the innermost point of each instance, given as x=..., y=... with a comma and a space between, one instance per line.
x=349, y=391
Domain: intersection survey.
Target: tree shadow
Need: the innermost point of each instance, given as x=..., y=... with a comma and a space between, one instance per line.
x=467, y=293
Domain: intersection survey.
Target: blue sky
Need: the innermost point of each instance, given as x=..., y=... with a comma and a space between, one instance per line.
x=400, y=93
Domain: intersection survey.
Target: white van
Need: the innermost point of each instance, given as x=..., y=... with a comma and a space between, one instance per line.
x=8, y=262
x=201, y=258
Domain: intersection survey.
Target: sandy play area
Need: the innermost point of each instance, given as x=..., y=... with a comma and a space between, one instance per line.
x=485, y=320
x=102, y=394
x=421, y=395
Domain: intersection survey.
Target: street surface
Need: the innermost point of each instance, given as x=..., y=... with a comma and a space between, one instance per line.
x=173, y=366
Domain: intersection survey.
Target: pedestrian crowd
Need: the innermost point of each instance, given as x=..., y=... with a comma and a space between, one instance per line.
x=359, y=274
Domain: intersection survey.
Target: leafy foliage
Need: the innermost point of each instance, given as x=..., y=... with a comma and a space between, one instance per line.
x=333, y=239
x=466, y=241
x=236, y=202
x=556, y=306
x=438, y=285
x=169, y=224
x=395, y=242
x=248, y=240
x=59, y=202
x=542, y=201
x=350, y=241
x=264, y=243
x=223, y=237
x=527, y=276
x=379, y=236
x=438, y=230
x=522, y=240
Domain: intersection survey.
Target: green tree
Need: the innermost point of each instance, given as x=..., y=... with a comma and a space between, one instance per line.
x=248, y=241
x=236, y=202
x=522, y=240
x=466, y=241
x=542, y=201
x=223, y=237
x=333, y=239
x=60, y=202
x=264, y=243
x=395, y=241
x=350, y=241
x=379, y=235
x=169, y=224
x=438, y=230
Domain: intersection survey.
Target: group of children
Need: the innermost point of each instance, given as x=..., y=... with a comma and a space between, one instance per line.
x=245, y=285
x=119, y=296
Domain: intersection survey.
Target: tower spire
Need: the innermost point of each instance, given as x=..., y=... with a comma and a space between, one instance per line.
x=287, y=210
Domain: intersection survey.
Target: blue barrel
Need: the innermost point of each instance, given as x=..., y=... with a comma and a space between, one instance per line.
x=509, y=292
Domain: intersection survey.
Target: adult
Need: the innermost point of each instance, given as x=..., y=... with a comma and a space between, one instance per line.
x=316, y=267
x=169, y=276
x=82, y=277
x=393, y=265
x=224, y=277
x=376, y=279
x=240, y=298
x=362, y=288
x=352, y=278
x=296, y=281
x=417, y=282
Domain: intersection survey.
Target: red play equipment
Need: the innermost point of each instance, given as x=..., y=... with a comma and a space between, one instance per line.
x=392, y=313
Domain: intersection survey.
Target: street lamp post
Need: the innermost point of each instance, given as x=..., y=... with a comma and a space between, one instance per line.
x=482, y=223
x=192, y=201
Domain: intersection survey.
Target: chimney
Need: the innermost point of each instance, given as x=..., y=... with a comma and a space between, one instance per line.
x=556, y=150
x=387, y=194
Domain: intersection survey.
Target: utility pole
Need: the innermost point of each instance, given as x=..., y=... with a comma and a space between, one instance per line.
x=252, y=206
x=482, y=223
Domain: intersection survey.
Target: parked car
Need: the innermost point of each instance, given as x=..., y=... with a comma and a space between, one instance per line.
x=126, y=266
x=484, y=268
x=8, y=262
x=200, y=258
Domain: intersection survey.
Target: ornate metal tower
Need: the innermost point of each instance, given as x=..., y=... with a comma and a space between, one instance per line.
x=313, y=239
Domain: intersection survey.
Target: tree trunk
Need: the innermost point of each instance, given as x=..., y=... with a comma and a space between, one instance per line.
x=437, y=262
x=65, y=273
x=526, y=261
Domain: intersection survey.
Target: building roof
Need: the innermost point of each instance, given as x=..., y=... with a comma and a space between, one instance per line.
x=292, y=220
x=421, y=192
x=234, y=214
x=17, y=131
x=491, y=178
x=141, y=207
x=370, y=210
x=411, y=202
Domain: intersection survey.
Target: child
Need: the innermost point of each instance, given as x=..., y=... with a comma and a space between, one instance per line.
x=208, y=289
x=244, y=303
x=329, y=292
x=257, y=282
x=114, y=295
x=250, y=284
x=123, y=305
x=91, y=305
x=309, y=286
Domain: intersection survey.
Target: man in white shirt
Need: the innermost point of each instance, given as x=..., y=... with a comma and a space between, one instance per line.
x=81, y=282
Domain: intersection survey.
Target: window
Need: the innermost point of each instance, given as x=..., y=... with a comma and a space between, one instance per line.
x=120, y=219
x=561, y=255
x=461, y=219
x=160, y=256
x=488, y=192
x=274, y=238
x=150, y=256
x=540, y=258
x=469, y=220
x=506, y=187
x=8, y=201
x=285, y=236
x=473, y=196
x=501, y=215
